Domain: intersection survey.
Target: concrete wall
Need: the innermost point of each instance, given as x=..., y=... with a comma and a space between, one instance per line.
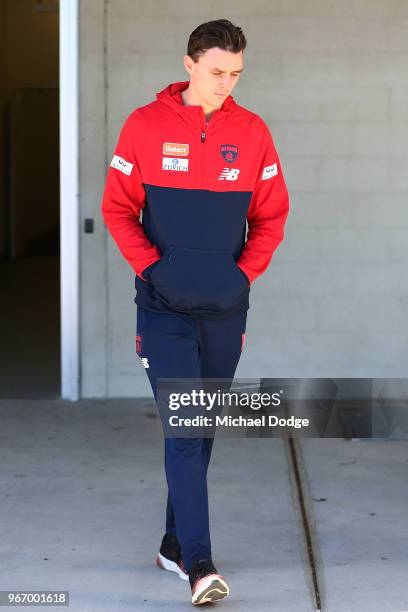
x=331, y=80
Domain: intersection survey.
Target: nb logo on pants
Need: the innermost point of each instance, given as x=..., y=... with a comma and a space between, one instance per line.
x=145, y=362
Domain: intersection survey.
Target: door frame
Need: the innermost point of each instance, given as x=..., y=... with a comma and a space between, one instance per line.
x=69, y=197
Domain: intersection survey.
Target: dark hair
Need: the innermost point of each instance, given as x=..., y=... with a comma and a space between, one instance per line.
x=219, y=33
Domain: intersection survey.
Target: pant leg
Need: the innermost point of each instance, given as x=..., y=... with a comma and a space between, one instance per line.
x=169, y=345
x=221, y=343
x=220, y=347
x=207, y=444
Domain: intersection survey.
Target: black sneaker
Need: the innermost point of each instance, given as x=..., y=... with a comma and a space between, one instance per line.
x=206, y=583
x=170, y=557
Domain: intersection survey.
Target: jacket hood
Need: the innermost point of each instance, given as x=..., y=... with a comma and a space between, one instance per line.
x=194, y=115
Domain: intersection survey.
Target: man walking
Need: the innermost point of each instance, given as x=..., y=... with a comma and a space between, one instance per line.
x=199, y=167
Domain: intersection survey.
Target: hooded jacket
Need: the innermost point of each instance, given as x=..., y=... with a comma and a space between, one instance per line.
x=196, y=185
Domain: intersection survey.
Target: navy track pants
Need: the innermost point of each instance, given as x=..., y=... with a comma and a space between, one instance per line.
x=179, y=346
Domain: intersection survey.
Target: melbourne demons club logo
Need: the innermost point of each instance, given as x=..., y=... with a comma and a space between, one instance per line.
x=229, y=152
x=138, y=343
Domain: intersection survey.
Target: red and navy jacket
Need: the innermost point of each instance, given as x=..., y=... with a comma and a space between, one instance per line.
x=195, y=185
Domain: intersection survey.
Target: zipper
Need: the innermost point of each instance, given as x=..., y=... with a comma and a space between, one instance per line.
x=203, y=141
x=203, y=135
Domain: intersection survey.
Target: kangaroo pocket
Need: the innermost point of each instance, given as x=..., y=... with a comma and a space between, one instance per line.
x=190, y=279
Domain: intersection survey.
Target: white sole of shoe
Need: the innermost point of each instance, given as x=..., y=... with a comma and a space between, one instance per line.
x=170, y=566
x=210, y=588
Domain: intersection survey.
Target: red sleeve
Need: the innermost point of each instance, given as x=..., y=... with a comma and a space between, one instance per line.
x=124, y=198
x=267, y=213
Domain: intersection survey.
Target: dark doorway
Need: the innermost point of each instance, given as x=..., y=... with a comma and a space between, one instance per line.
x=29, y=199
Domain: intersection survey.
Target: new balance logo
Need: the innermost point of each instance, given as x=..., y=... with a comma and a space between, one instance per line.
x=145, y=362
x=229, y=174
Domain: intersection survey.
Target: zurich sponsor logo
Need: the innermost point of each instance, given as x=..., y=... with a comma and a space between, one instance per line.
x=175, y=163
x=229, y=152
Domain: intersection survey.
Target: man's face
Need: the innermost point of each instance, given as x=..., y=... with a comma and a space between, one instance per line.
x=214, y=75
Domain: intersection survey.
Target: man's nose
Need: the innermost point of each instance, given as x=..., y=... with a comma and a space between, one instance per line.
x=226, y=83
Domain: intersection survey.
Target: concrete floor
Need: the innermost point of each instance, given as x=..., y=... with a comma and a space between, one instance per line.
x=83, y=510
x=359, y=498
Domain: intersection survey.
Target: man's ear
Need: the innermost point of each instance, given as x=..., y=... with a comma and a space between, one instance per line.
x=188, y=62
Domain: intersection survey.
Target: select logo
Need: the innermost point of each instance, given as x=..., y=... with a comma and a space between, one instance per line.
x=175, y=149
